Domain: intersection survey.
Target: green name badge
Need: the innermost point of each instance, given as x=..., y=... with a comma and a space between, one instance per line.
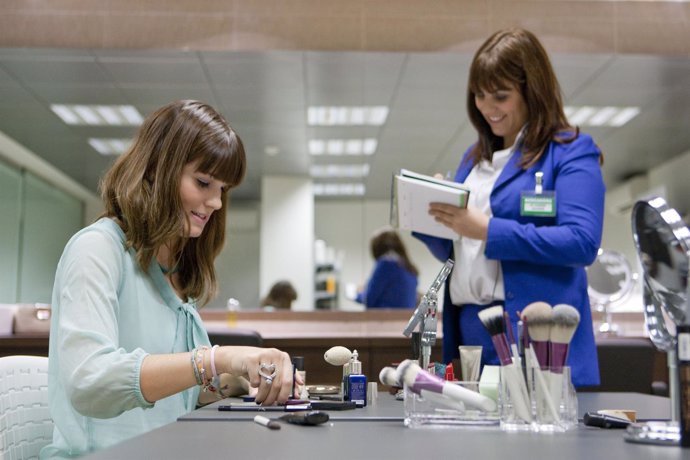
x=541, y=205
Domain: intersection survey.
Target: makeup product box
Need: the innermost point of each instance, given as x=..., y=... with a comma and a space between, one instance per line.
x=433, y=410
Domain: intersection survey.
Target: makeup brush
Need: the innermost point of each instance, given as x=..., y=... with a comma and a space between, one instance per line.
x=565, y=321
x=511, y=337
x=539, y=315
x=388, y=376
x=492, y=319
x=422, y=382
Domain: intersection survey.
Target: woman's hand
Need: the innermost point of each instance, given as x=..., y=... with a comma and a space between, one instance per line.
x=268, y=370
x=468, y=222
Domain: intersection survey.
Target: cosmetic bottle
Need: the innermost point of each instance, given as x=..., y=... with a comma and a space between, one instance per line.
x=232, y=307
x=356, y=382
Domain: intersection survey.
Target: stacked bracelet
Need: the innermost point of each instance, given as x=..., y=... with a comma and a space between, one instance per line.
x=197, y=376
x=207, y=383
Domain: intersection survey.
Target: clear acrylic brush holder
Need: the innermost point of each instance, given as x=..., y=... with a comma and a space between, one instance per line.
x=546, y=403
x=433, y=410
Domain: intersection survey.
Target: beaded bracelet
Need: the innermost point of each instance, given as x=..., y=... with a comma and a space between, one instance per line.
x=194, y=367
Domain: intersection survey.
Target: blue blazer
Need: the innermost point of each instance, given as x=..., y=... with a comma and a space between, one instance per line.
x=543, y=258
x=390, y=286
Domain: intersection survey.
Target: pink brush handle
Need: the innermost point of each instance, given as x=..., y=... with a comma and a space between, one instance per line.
x=502, y=349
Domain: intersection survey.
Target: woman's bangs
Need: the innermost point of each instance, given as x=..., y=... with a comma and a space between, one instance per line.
x=225, y=161
x=490, y=74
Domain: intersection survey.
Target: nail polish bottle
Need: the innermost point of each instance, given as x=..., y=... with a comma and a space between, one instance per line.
x=356, y=382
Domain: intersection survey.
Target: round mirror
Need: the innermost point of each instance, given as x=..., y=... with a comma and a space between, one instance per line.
x=662, y=241
x=610, y=280
x=663, y=244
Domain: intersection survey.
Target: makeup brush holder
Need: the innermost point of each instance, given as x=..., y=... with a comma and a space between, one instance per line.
x=433, y=410
x=554, y=400
x=515, y=407
x=546, y=404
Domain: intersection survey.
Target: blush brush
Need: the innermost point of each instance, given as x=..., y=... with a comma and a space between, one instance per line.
x=565, y=321
x=493, y=320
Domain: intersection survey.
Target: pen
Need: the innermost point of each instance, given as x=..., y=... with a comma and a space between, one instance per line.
x=267, y=422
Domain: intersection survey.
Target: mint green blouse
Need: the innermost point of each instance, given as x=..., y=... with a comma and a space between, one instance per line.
x=107, y=315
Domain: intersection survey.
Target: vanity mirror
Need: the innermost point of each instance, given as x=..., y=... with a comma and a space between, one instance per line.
x=610, y=280
x=662, y=241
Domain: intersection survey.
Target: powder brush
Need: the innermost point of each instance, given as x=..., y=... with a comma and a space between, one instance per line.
x=565, y=321
x=539, y=315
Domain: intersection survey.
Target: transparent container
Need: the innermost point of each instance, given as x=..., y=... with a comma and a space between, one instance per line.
x=433, y=410
x=545, y=401
x=554, y=399
x=515, y=403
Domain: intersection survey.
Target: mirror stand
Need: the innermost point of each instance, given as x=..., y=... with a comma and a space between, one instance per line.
x=665, y=433
x=610, y=281
x=607, y=327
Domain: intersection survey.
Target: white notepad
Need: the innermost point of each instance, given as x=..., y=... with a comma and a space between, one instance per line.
x=410, y=198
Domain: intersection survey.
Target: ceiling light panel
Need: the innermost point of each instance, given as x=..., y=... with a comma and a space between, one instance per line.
x=600, y=116
x=347, y=116
x=349, y=171
x=342, y=146
x=98, y=115
x=327, y=189
x=109, y=146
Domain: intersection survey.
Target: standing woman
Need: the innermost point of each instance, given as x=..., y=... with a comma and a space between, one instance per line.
x=393, y=282
x=509, y=253
x=128, y=350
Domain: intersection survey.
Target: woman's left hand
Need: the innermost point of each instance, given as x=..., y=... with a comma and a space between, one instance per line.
x=468, y=222
x=267, y=369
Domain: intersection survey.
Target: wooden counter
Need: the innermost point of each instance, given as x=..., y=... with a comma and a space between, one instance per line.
x=375, y=334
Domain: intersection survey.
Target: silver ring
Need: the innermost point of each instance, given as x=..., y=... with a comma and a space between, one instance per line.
x=268, y=371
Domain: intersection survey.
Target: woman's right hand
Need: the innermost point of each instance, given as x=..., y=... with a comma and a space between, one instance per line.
x=268, y=370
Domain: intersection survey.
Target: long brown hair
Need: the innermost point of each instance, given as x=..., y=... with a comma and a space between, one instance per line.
x=385, y=241
x=516, y=57
x=142, y=190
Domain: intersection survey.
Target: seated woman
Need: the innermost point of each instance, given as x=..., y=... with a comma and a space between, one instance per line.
x=393, y=283
x=128, y=349
x=280, y=297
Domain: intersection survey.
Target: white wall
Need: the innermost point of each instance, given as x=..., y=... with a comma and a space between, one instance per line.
x=287, y=236
x=237, y=267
